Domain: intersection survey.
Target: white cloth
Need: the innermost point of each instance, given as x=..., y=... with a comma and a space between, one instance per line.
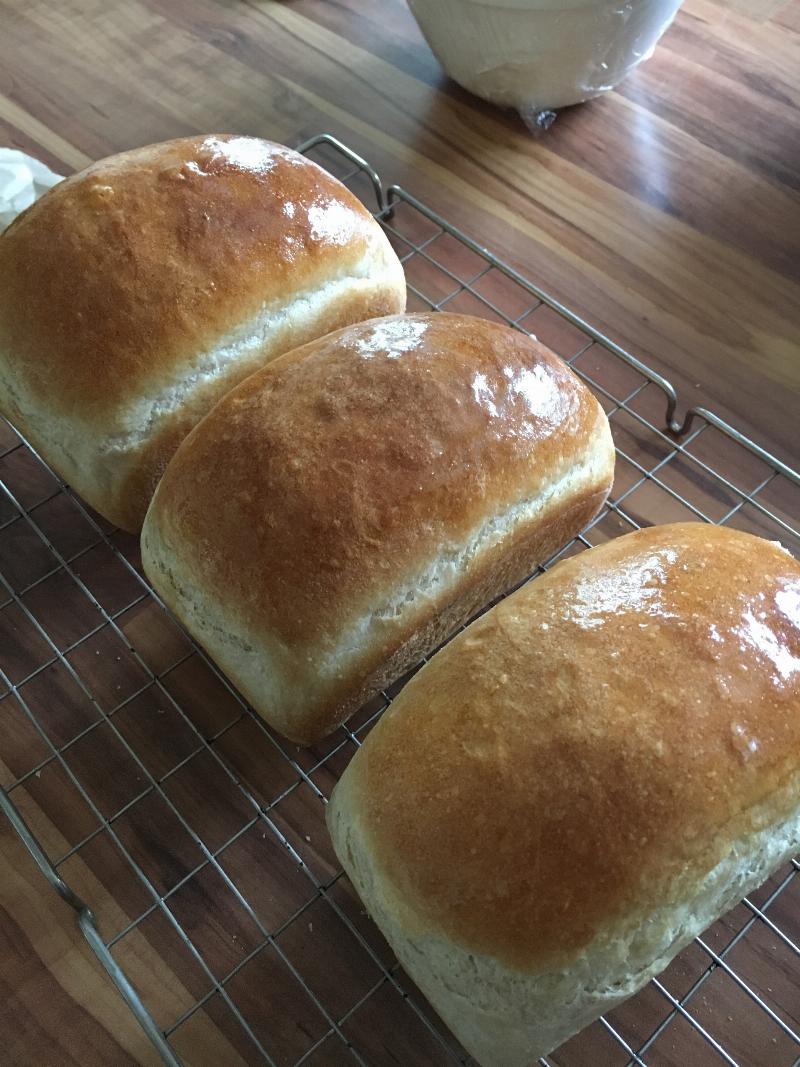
x=22, y=180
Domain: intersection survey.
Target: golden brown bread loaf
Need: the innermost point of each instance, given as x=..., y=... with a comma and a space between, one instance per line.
x=582, y=781
x=343, y=510
x=136, y=293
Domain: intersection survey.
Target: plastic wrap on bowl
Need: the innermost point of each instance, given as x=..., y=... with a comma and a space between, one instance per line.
x=540, y=55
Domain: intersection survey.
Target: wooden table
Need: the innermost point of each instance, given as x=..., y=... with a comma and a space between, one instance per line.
x=666, y=214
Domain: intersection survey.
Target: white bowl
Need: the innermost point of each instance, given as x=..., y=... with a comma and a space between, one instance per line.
x=538, y=55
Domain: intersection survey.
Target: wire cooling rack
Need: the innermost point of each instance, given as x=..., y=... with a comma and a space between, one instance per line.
x=190, y=840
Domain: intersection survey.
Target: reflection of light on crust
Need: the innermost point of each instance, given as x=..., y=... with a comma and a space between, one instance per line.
x=251, y=154
x=638, y=586
x=743, y=741
x=757, y=635
x=391, y=338
x=542, y=392
x=788, y=601
x=482, y=392
x=333, y=222
x=537, y=387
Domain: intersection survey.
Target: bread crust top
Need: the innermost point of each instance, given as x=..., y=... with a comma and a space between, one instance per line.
x=131, y=268
x=327, y=479
x=588, y=750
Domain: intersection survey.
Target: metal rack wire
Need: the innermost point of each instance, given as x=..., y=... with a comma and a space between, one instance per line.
x=195, y=854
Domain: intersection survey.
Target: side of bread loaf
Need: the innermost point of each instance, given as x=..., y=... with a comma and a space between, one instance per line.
x=582, y=782
x=136, y=293
x=345, y=509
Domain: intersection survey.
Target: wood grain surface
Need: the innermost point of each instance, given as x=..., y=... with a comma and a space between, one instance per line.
x=666, y=213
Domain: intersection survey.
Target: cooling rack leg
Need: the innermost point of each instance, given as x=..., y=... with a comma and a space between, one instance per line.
x=88, y=926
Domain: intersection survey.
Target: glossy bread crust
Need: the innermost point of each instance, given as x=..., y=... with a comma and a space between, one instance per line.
x=647, y=690
x=582, y=781
x=354, y=502
x=118, y=287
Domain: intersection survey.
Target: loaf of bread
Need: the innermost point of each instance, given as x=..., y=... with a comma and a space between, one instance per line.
x=581, y=782
x=343, y=510
x=136, y=293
